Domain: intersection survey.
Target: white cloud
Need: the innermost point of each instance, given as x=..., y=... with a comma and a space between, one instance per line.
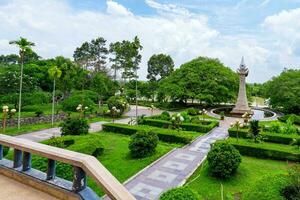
x=57, y=29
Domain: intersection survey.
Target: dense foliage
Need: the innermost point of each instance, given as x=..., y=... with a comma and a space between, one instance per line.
x=182, y=193
x=74, y=126
x=284, y=91
x=200, y=79
x=223, y=160
x=143, y=144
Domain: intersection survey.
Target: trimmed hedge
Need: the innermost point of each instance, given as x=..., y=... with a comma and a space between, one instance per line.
x=181, y=193
x=295, y=118
x=268, y=137
x=262, y=151
x=184, y=126
x=165, y=135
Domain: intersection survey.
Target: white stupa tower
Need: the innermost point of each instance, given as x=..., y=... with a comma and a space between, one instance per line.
x=241, y=105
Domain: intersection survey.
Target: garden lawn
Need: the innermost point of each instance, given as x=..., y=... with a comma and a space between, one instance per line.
x=116, y=157
x=249, y=173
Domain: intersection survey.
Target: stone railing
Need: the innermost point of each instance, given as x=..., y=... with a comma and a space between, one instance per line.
x=83, y=165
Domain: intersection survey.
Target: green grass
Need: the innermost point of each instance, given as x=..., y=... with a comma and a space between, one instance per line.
x=249, y=173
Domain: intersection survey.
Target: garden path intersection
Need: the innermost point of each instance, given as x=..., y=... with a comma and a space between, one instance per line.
x=170, y=171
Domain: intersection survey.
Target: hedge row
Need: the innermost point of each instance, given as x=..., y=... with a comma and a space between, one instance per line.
x=293, y=117
x=268, y=137
x=165, y=135
x=250, y=149
x=185, y=126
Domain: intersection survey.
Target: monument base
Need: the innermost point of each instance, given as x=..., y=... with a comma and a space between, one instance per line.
x=238, y=112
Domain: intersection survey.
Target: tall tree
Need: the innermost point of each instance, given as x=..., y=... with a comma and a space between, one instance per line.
x=55, y=74
x=159, y=67
x=126, y=57
x=284, y=90
x=205, y=79
x=92, y=55
x=24, y=46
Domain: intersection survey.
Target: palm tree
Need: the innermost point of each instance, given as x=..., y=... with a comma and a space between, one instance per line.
x=54, y=73
x=24, y=47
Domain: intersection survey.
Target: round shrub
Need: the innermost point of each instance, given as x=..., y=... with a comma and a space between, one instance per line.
x=165, y=116
x=143, y=144
x=119, y=102
x=192, y=111
x=181, y=193
x=223, y=160
x=71, y=103
x=74, y=126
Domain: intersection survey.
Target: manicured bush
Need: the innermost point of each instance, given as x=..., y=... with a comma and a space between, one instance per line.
x=267, y=137
x=289, y=128
x=118, y=102
x=266, y=150
x=165, y=135
x=223, y=160
x=165, y=115
x=294, y=118
x=143, y=144
x=185, y=126
x=192, y=111
x=39, y=113
x=181, y=193
x=71, y=103
x=74, y=126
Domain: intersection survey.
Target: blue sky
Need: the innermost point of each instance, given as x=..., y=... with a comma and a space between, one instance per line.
x=266, y=32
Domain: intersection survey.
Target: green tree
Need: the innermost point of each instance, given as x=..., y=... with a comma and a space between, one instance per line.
x=159, y=67
x=55, y=74
x=205, y=79
x=92, y=54
x=103, y=85
x=284, y=91
x=126, y=57
x=24, y=46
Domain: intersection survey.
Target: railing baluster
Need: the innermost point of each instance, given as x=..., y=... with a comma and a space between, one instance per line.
x=26, y=161
x=79, y=180
x=1, y=151
x=51, y=169
x=17, y=158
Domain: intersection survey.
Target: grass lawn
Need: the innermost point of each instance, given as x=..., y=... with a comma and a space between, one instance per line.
x=249, y=173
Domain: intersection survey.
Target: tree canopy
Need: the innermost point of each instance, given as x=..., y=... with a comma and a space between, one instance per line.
x=204, y=79
x=159, y=67
x=284, y=91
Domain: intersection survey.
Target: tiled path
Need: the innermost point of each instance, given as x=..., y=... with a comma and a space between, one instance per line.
x=173, y=170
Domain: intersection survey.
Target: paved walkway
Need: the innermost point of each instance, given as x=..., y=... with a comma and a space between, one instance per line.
x=13, y=190
x=45, y=134
x=174, y=169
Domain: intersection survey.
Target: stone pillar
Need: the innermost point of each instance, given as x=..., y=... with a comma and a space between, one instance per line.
x=241, y=105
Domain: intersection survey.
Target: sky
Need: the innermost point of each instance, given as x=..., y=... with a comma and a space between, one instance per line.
x=265, y=32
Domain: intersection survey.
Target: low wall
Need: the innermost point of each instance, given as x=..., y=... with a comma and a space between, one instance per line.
x=34, y=120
